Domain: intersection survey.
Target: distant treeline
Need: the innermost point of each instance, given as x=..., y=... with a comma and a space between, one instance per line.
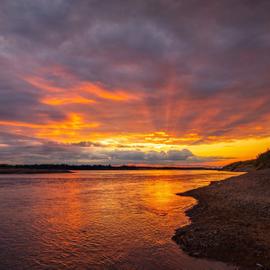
x=96, y=167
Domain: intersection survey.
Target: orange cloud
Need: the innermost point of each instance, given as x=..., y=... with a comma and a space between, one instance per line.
x=43, y=84
x=102, y=93
x=61, y=131
x=87, y=87
x=207, y=129
x=55, y=101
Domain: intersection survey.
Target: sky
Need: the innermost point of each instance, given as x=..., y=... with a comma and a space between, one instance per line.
x=134, y=82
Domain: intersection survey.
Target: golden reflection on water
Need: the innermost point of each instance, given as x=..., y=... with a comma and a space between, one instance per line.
x=161, y=194
x=98, y=220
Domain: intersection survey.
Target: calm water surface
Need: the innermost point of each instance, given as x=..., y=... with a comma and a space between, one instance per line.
x=98, y=220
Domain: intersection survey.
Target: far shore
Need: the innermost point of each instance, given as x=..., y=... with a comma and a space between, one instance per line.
x=30, y=171
x=66, y=168
x=231, y=222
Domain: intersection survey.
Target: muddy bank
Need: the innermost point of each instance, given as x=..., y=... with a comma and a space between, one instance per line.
x=231, y=222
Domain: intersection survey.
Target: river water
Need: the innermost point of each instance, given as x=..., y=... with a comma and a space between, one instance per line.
x=98, y=220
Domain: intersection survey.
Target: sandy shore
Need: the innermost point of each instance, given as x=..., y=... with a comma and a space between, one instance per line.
x=231, y=222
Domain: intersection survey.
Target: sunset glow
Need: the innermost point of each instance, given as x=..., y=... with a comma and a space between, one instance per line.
x=102, y=86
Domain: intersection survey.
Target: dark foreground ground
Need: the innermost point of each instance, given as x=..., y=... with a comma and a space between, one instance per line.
x=231, y=222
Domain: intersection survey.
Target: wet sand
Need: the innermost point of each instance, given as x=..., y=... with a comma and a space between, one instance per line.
x=231, y=222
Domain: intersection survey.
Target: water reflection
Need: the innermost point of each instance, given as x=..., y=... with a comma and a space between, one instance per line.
x=97, y=220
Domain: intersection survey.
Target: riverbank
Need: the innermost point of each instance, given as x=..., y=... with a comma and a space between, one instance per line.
x=231, y=222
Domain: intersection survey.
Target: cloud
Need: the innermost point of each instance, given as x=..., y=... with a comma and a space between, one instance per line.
x=178, y=67
x=24, y=149
x=87, y=144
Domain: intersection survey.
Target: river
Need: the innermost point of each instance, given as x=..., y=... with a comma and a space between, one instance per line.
x=118, y=220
